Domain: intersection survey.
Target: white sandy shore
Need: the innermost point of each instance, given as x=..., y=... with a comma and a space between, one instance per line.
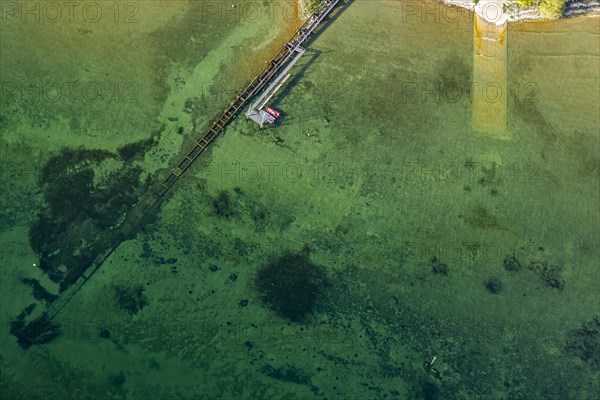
x=512, y=10
x=516, y=12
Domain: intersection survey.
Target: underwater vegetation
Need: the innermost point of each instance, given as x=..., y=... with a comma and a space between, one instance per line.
x=130, y=298
x=117, y=380
x=86, y=193
x=512, y=264
x=437, y=267
x=584, y=342
x=289, y=373
x=136, y=150
x=493, y=285
x=38, y=331
x=549, y=274
x=430, y=391
x=452, y=74
x=39, y=292
x=480, y=218
x=291, y=286
x=237, y=206
x=223, y=205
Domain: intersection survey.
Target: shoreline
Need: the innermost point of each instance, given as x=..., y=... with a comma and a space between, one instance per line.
x=518, y=13
x=515, y=11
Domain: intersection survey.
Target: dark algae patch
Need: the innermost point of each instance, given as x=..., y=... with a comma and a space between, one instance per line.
x=116, y=382
x=223, y=205
x=550, y=274
x=480, y=217
x=39, y=292
x=136, y=150
x=512, y=264
x=289, y=373
x=437, y=267
x=493, y=285
x=38, y=331
x=87, y=193
x=584, y=343
x=130, y=298
x=291, y=286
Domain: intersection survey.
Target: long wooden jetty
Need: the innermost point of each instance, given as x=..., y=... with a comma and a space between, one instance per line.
x=36, y=330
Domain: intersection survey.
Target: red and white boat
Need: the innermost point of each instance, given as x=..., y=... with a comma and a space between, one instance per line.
x=272, y=111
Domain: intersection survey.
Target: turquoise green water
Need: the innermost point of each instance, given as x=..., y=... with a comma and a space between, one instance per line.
x=404, y=217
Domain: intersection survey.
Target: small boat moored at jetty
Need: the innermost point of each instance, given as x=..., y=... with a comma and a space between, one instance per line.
x=272, y=111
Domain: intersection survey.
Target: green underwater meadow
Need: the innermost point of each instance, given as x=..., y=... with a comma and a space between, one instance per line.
x=331, y=255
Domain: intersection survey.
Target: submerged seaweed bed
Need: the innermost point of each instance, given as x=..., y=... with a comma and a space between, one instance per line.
x=331, y=256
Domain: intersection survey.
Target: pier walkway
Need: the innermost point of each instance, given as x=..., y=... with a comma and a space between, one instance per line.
x=271, y=77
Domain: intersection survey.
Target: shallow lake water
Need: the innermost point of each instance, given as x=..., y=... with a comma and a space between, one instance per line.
x=422, y=236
